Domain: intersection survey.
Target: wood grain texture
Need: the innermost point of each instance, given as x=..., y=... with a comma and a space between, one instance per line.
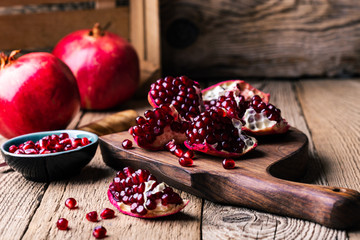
x=243, y=223
x=209, y=39
x=335, y=135
x=329, y=107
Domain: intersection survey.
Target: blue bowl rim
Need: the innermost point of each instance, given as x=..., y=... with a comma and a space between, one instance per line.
x=94, y=140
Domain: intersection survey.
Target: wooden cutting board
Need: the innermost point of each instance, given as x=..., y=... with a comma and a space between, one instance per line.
x=262, y=179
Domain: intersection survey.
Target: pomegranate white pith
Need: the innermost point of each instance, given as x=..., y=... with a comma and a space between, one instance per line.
x=259, y=124
x=263, y=118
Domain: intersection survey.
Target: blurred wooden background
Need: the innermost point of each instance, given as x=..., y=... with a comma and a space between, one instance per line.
x=206, y=39
x=260, y=38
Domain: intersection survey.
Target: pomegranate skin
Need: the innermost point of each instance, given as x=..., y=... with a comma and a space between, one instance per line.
x=105, y=66
x=38, y=92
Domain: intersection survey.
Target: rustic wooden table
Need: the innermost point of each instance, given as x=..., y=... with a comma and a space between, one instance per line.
x=327, y=111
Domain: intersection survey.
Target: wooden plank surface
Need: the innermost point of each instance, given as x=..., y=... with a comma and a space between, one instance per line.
x=332, y=111
x=30, y=210
x=292, y=38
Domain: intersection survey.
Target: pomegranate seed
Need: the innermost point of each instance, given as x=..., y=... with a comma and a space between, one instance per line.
x=178, y=152
x=228, y=163
x=62, y=224
x=189, y=154
x=186, y=162
x=127, y=144
x=76, y=142
x=84, y=141
x=141, y=210
x=13, y=148
x=107, y=213
x=150, y=204
x=30, y=151
x=92, y=216
x=28, y=146
x=99, y=232
x=59, y=147
x=43, y=143
x=44, y=151
x=65, y=141
x=63, y=136
x=128, y=171
x=70, y=203
x=133, y=207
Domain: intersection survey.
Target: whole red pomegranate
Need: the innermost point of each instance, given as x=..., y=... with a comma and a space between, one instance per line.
x=38, y=92
x=105, y=65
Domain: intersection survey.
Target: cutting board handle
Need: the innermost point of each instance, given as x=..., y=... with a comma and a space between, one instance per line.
x=330, y=206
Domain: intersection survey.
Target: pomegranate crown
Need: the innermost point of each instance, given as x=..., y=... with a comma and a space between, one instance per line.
x=98, y=31
x=6, y=60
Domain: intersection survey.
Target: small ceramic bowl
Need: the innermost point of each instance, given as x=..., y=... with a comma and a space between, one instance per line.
x=52, y=166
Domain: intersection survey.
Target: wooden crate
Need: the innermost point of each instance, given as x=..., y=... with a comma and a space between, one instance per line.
x=137, y=21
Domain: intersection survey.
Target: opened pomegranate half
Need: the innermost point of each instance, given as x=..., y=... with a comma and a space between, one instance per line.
x=238, y=87
x=181, y=92
x=214, y=133
x=158, y=127
x=259, y=117
x=139, y=194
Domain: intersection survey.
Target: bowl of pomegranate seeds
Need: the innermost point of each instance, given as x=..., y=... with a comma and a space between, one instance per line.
x=51, y=155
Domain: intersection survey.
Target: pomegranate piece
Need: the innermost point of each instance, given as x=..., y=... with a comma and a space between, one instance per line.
x=107, y=213
x=99, y=232
x=214, y=133
x=62, y=224
x=50, y=144
x=139, y=194
x=181, y=92
x=263, y=118
x=127, y=144
x=259, y=117
x=92, y=216
x=238, y=87
x=228, y=163
x=158, y=127
x=70, y=203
